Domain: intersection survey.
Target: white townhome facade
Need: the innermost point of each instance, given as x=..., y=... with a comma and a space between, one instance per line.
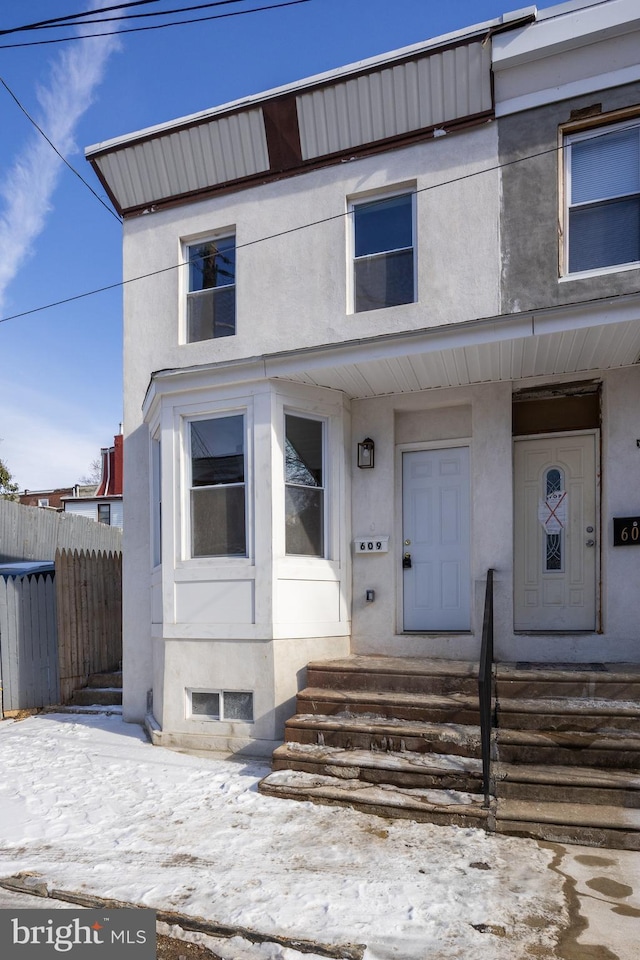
x=438, y=251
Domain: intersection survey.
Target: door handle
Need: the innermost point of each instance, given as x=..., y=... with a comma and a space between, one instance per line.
x=406, y=561
x=589, y=543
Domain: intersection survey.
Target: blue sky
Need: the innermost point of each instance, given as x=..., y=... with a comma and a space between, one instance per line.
x=61, y=368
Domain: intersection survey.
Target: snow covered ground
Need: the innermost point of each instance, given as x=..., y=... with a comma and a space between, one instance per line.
x=87, y=803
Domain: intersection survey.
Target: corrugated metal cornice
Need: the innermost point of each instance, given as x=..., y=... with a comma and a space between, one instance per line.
x=382, y=103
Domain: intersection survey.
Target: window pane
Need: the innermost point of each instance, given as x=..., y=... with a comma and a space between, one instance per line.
x=217, y=451
x=217, y=522
x=211, y=313
x=238, y=706
x=384, y=281
x=383, y=225
x=212, y=264
x=104, y=513
x=303, y=451
x=304, y=518
x=205, y=704
x=605, y=166
x=604, y=235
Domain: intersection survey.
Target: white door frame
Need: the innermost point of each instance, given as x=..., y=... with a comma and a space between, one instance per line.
x=596, y=434
x=398, y=525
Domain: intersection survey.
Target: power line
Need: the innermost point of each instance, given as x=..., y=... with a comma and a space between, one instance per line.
x=75, y=16
x=157, y=26
x=56, y=151
x=284, y=233
x=61, y=22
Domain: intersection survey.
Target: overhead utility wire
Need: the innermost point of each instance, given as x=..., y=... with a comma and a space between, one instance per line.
x=284, y=233
x=55, y=149
x=62, y=22
x=157, y=26
x=75, y=16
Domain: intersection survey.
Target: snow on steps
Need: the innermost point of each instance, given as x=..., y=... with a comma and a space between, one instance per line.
x=386, y=800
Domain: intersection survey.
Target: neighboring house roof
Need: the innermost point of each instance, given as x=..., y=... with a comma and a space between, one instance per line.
x=111, y=483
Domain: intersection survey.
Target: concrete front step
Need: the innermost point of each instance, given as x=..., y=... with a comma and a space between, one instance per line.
x=384, y=734
x=619, y=750
x=618, y=788
x=591, y=824
x=569, y=714
x=446, y=807
x=438, y=708
x=427, y=771
x=90, y=696
x=533, y=681
x=395, y=675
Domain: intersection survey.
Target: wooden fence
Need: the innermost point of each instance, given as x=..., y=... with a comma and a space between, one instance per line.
x=28, y=643
x=89, y=604
x=34, y=533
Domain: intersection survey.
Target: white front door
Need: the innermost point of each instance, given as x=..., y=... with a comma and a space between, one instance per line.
x=555, y=533
x=435, y=514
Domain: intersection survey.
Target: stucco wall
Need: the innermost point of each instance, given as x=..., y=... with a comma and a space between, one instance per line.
x=531, y=207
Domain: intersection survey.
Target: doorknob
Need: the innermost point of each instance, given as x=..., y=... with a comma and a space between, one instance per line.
x=590, y=543
x=406, y=561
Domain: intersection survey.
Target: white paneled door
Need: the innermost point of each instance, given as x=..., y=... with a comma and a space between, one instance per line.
x=555, y=544
x=436, y=515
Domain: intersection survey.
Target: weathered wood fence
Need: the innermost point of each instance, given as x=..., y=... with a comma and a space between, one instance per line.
x=28, y=643
x=89, y=606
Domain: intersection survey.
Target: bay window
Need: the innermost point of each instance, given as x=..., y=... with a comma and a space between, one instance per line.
x=218, y=488
x=304, y=486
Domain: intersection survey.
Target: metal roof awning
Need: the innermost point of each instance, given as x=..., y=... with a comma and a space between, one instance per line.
x=567, y=340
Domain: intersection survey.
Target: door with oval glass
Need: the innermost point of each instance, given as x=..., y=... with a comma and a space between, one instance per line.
x=555, y=544
x=436, y=540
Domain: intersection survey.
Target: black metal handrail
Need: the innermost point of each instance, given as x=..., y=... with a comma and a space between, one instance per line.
x=485, y=687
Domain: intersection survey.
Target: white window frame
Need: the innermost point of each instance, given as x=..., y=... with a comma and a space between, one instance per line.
x=371, y=197
x=323, y=421
x=185, y=244
x=155, y=463
x=220, y=718
x=569, y=137
x=186, y=477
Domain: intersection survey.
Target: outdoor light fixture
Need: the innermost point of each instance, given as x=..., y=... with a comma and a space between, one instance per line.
x=365, y=453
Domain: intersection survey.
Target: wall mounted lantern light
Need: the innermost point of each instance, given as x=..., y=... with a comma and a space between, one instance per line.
x=365, y=453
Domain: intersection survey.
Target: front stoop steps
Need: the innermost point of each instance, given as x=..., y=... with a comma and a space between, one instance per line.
x=400, y=737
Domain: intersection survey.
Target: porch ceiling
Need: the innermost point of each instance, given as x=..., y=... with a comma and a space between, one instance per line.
x=571, y=339
x=517, y=348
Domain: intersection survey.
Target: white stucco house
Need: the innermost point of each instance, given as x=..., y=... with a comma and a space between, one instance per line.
x=385, y=337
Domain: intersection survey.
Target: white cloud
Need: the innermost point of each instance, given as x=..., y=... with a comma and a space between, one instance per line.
x=29, y=185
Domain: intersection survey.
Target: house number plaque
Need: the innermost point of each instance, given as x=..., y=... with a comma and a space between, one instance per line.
x=626, y=531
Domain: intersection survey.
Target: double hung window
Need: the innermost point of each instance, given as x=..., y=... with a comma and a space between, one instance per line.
x=304, y=486
x=603, y=197
x=211, y=299
x=383, y=252
x=218, y=498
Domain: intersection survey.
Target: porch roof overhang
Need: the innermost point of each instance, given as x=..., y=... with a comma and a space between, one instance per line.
x=572, y=339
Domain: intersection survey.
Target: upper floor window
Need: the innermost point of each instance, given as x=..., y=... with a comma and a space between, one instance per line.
x=104, y=513
x=218, y=503
x=603, y=197
x=383, y=252
x=211, y=298
x=304, y=486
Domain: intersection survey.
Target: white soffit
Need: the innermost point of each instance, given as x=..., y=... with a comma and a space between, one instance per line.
x=536, y=355
x=184, y=161
x=434, y=89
